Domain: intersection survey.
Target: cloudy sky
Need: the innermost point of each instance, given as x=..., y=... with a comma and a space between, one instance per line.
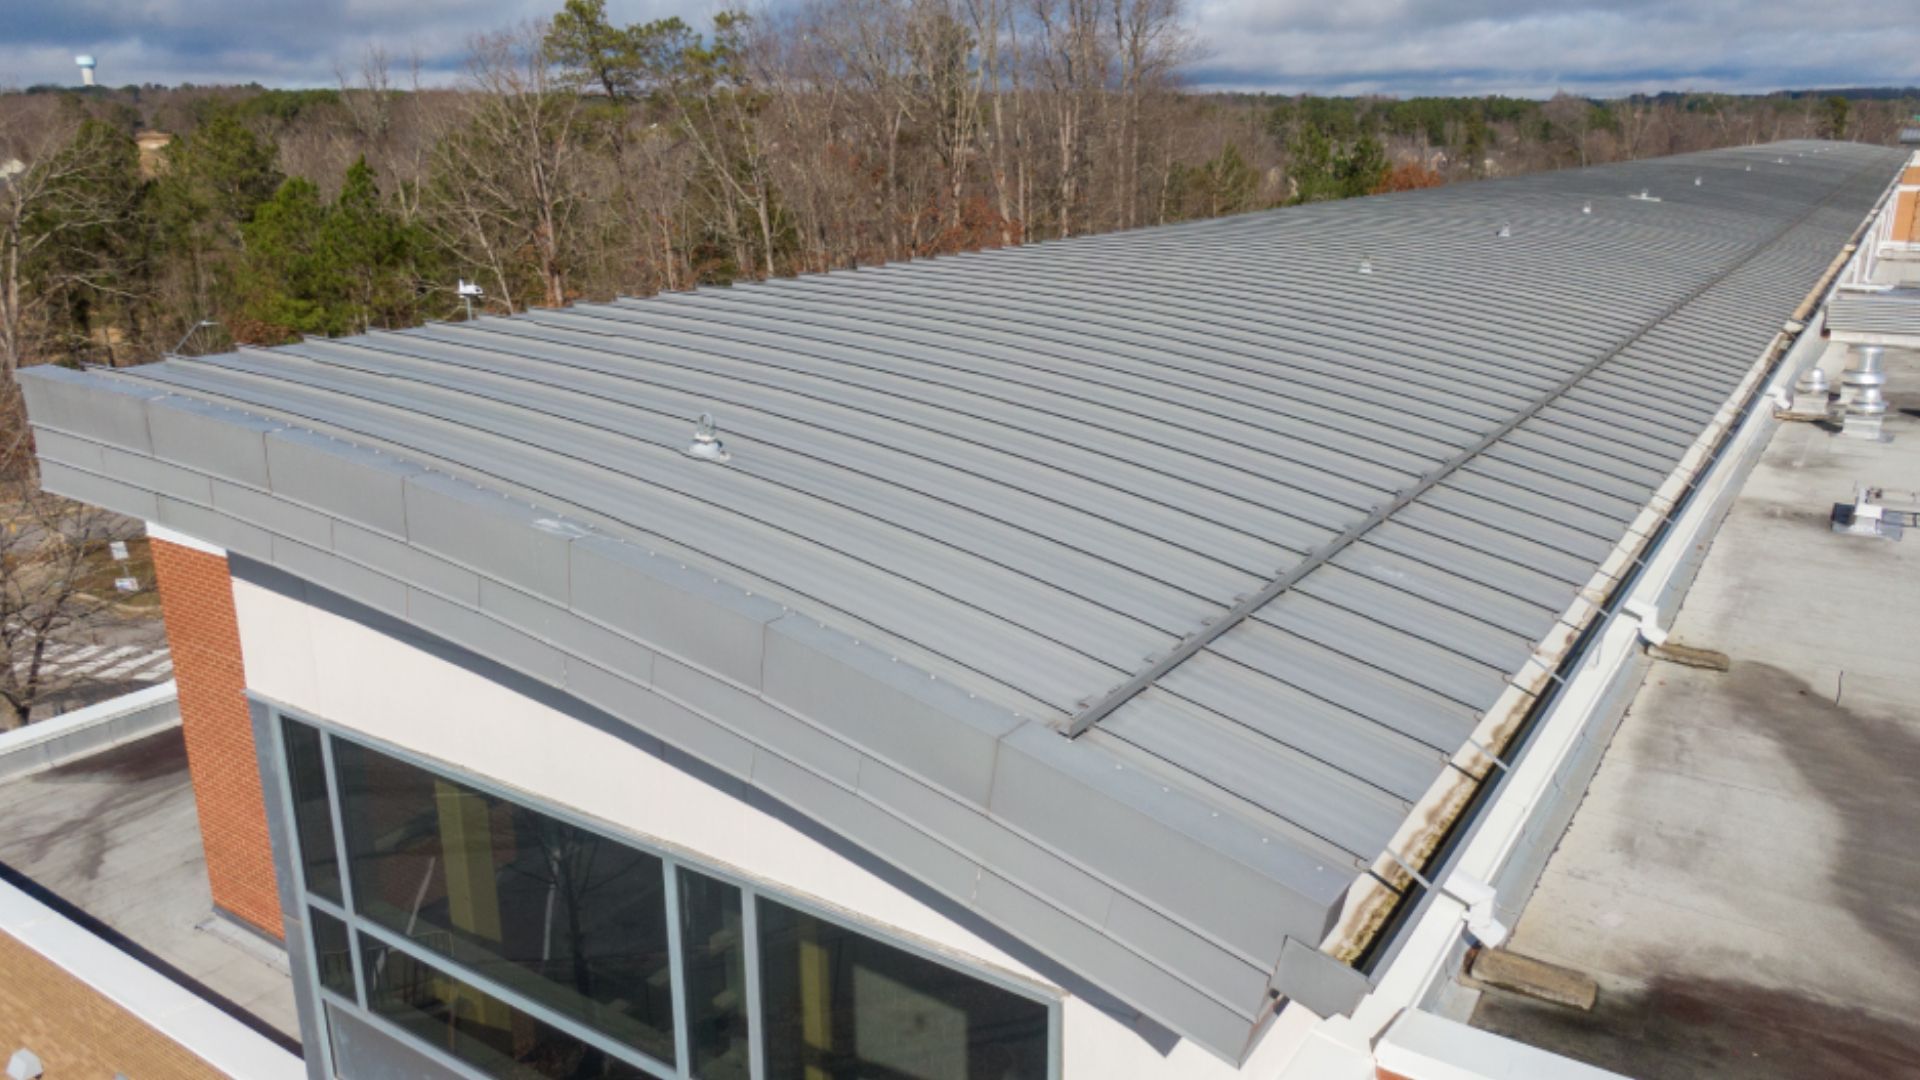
x=1527, y=47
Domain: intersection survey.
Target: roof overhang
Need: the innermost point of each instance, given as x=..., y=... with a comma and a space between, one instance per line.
x=1099, y=868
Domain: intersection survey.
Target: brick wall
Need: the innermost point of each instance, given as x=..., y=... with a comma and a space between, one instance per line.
x=196, y=597
x=76, y=1032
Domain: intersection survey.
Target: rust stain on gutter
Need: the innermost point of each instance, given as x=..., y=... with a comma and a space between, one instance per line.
x=1373, y=901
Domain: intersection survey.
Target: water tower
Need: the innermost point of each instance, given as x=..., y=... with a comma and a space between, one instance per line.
x=86, y=69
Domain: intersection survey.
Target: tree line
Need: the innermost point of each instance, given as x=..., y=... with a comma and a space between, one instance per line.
x=579, y=158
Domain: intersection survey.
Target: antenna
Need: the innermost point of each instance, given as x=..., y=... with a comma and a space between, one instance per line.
x=191, y=330
x=87, y=65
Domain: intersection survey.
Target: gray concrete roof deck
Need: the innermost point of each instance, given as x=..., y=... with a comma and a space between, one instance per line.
x=116, y=836
x=1739, y=877
x=1030, y=475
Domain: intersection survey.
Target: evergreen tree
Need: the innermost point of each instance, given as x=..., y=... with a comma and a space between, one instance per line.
x=1362, y=167
x=291, y=283
x=1231, y=184
x=594, y=51
x=1474, y=145
x=212, y=182
x=1834, y=119
x=339, y=269
x=375, y=255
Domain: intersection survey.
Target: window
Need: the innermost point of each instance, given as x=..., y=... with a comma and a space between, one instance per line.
x=496, y=939
x=447, y=1013
x=716, y=970
x=312, y=818
x=332, y=952
x=838, y=1004
x=568, y=918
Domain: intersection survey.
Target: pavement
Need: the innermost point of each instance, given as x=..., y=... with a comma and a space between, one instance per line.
x=116, y=836
x=110, y=658
x=1743, y=876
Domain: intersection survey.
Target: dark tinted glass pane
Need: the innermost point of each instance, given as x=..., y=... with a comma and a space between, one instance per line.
x=838, y=1005
x=567, y=918
x=312, y=821
x=332, y=953
x=716, y=970
x=476, y=1027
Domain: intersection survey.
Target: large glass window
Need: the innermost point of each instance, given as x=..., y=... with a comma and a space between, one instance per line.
x=716, y=971
x=447, y=1013
x=838, y=1005
x=312, y=819
x=567, y=918
x=331, y=952
x=529, y=947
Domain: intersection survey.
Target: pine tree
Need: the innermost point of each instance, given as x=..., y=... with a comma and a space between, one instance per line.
x=343, y=268
x=291, y=284
x=373, y=254
x=212, y=182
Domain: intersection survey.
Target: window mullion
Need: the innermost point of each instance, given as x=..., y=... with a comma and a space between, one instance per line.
x=334, y=800
x=297, y=871
x=750, y=930
x=677, y=970
x=513, y=999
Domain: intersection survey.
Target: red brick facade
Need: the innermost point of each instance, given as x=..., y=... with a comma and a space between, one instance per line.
x=196, y=596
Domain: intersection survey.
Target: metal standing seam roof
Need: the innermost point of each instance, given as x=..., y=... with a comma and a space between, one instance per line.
x=1222, y=546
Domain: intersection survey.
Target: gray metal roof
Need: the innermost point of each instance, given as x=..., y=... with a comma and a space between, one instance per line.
x=1269, y=535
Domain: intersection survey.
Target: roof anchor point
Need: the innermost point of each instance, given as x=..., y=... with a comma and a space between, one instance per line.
x=706, y=443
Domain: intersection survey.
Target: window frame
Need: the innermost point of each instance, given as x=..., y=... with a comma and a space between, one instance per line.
x=673, y=860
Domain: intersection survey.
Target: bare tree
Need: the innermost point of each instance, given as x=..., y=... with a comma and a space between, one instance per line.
x=63, y=189
x=57, y=574
x=508, y=173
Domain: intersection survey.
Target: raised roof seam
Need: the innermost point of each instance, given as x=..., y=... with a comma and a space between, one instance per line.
x=1245, y=608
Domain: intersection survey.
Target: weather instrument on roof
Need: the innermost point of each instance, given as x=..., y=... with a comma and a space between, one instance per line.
x=469, y=292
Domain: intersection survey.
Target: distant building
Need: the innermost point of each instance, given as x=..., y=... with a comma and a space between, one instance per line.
x=153, y=146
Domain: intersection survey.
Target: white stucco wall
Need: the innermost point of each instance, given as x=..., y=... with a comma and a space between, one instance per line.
x=352, y=676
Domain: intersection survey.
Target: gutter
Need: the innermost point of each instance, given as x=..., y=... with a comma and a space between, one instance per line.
x=1507, y=821
x=1401, y=881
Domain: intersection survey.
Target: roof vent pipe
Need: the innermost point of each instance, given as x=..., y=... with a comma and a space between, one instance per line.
x=1506, y=230
x=1698, y=180
x=706, y=443
x=1867, y=405
x=1587, y=207
x=1366, y=265
x=1814, y=384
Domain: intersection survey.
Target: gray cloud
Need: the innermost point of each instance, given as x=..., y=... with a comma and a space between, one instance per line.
x=1529, y=47
x=1535, y=47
